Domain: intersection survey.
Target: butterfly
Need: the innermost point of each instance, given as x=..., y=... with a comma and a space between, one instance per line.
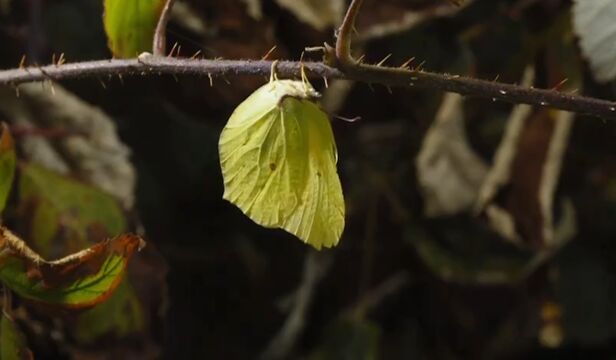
x=278, y=159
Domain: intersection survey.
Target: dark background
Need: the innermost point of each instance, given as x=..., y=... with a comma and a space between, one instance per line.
x=227, y=277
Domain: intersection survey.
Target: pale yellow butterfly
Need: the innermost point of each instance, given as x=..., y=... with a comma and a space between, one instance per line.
x=278, y=159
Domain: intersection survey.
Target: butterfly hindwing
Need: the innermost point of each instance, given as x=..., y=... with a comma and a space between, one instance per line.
x=278, y=160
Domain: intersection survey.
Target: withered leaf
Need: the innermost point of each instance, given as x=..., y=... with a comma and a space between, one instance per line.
x=518, y=194
x=448, y=169
x=77, y=281
x=61, y=215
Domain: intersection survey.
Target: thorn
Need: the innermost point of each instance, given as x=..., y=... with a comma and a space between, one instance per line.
x=196, y=54
x=53, y=90
x=211, y=79
x=326, y=82
x=102, y=84
x=179, y=49
x=22, y=62
x=561, y=83
x=53, y=58
x=361, y=58
x=314, y=49
x=121, y=79
x=496, y=78
x=269, y=52
x=226, y=80
x=407, y=63
x=175, y=78
x=175, y=45
x=389, y=90
x=418, y=67
x=380, y=63
x=61, y=59
x=350, y=120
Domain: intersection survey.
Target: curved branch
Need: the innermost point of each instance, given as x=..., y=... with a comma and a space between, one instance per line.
x=343, y=42
x=153, y=65
x=160, y=36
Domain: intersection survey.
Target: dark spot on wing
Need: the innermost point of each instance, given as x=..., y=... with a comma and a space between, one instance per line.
x=273, y=166
x=318, y=173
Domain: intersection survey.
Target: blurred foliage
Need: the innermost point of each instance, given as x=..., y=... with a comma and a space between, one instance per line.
x=130, y=25
x=231, y=284
x=53, y=206
x=12, y=343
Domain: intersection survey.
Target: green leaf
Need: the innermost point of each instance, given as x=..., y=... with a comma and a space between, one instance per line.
x=130, y=25
x=12, y=342
x=7, y=165
x=63, y=215
x=77, y=281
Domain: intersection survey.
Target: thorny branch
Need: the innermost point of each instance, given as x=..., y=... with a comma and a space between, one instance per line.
x=345, y=67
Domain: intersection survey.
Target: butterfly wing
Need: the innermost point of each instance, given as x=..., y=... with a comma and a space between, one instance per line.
x=278, y=161
x=319, y=218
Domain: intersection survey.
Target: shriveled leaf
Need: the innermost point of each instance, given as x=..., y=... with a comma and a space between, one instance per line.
x=130, y=25
x=320, y=14
x=7, y=165
x=59, y=208
x=517, y=196
x=12, y=342
x=64, y=215
x=593, y=21
x=90, y=149
x=77, y=281
x=448, y=170
x=253, y=7
x=524, y=178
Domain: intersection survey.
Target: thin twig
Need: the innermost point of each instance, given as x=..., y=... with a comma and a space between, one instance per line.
x=316, y=265
x=153, y=65
x=160, y=37
x=343, y=41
